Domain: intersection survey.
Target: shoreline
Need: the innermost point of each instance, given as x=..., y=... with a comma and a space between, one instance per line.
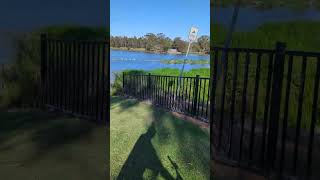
x=152, y=52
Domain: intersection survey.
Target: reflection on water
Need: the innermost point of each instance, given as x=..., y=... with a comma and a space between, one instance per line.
x=250, y=18
x=123, y=60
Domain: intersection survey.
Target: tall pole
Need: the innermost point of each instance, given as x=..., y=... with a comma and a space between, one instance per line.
x=221, y=63
x=185, y=59
x=192, y=37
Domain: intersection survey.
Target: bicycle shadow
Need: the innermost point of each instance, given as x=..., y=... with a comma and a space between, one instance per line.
x=142, y=157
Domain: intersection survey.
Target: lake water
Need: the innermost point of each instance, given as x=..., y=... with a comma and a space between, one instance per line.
x=123, y=60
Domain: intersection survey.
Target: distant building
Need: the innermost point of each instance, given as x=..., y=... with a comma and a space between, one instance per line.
x=173, y=51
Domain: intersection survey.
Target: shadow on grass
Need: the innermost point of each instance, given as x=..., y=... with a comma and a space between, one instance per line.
x=142, y=157
x=192, y=142
x=11, y=123
x=59, y=133
x=122, y=102
x=193, y=146
x=46, y=131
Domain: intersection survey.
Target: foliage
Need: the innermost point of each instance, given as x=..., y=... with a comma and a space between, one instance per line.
x=22, y=85
x=159, y=43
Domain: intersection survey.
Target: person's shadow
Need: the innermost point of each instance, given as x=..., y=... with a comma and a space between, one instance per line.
x=142, y=157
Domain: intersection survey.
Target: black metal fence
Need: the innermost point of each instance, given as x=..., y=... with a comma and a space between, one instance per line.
x=265, y=111
x=189, y=95
x=2, y=70
x=73, y=76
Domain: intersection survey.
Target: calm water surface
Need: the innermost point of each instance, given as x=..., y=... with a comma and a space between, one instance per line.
x=123, y=60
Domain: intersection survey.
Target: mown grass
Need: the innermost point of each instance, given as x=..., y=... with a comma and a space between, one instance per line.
x=43, y=145
x=150, y=143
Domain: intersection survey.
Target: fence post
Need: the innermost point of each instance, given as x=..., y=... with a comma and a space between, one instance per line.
x=195, y=95
x=149, y=85
x=43, y=46
x=278, y=69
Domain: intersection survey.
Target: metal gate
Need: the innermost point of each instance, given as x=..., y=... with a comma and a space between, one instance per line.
x=265, y=111
x=74, y=78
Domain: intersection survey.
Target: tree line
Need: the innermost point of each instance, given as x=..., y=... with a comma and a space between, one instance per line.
x=160, y=43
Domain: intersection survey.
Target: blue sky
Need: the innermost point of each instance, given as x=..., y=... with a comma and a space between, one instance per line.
x=171, y=17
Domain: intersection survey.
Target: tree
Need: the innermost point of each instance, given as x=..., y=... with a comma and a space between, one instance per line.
x=151, y=41
x=179, y=44
x=204, y=44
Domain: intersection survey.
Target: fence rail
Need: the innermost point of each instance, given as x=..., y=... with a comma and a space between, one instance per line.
x=265, y=110
x=189, y=95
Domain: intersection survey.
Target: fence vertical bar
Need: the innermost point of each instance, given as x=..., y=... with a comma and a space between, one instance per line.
x=208, y=97
x=266, y=109
x=93, y=56
x=244, y=103
x=98, y=80
x=61, y=74
x=233, y=97
x=255, y=106
x=285, y=118
x=213, y=85
x=203, y=96
x=314, y=118
x=149, y=85
x=54, y=66
x=275, y=104
x=103, y=100
x=299, y=115
x=224, y=82
x=43, y=42
x=189, y=99
x=198, y=97
x=195, y=95
x=83, y=75
x=88, y=78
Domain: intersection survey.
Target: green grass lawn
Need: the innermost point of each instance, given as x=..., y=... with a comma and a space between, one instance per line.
x=41, y=145
x=150, y=143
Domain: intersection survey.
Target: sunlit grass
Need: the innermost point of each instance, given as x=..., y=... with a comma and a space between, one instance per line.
x=136, y=154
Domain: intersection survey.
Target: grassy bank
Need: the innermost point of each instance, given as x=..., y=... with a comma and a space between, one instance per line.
x=298, y=35
x=181, y=61
x=160, y=146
